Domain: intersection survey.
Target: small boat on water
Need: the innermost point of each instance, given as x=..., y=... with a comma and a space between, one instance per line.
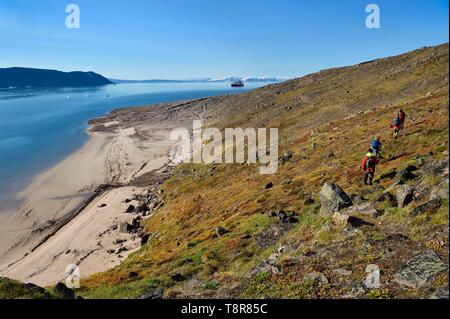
x=237, y=84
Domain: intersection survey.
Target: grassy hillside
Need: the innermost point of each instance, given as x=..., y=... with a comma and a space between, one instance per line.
x=326, y=120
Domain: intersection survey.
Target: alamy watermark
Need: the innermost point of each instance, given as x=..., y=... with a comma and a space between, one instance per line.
x=373, y=20
x=209, y=146
x=73, y=19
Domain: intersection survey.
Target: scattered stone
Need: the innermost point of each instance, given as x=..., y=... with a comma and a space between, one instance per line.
x=145, y=238
x=440, y=192
x=405, y=176
x=316, y=278
x=333, y=199
x=157, y=294
x=102, y=205
x=143, y=208
x=133, y=274
x=268, y=185
x=389, y=175
x=430, y=206
x=308, y=201
x=419, y=270
x=404, y=194
x=342, y=272
x=285, y=218
x=388, y=197
x=340, y=219
x=220, y=231
x=178, y=277
x=286, y=157
x=124, y=227
x=119, y=241
x=120, y=249
x=34, y=289
x=271, y=235
x=130, y=209
x=365, y=209
x=440, y=293
x=62, y=291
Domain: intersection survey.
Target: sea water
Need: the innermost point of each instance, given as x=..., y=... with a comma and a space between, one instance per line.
x=40, y=127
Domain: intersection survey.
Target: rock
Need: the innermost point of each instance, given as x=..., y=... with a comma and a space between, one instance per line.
x=130, y=209
x=316, y=278
x=388, y=197
x=411, y=168
x=157, y=294
x=271, y=235
x=133, y=274
x=357, y=198
x=405, y=176
x=439, y=167
x=120, y=249
x=119, y=241
x=178, y=277
x=420, y=270
x=404, y=194
x=286, y=157
x=268, y=185
x=331, y=155
x=102, y=205
x=220, y=231
x=285, y=218
x=144, y=239
x=340, y=219
x=62, y=291
x=430, y=206
x=365, y=209
x=143, y=208
x=440, y=192
x=333, y=199
x=34, y=289
x=389, y=175
x=343, y=272
x=124, y=227
x=440, y=293
x=308, y=201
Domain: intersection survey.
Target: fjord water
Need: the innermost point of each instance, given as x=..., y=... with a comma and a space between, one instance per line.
x=40, y=127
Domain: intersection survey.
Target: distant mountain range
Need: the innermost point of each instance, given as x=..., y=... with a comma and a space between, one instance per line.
x=225, y=79
x=18, y=77
x=27, y=77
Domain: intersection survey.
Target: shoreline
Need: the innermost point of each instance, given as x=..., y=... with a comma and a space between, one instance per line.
x=61, y=221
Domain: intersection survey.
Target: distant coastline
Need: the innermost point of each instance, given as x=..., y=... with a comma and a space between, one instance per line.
x=17, y=77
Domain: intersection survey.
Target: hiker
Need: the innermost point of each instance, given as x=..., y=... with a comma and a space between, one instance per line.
x=396, y=126
x=375, y=145
x=368, y=166
x=402, y=116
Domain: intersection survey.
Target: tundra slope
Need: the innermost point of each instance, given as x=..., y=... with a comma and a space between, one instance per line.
x=221, y=232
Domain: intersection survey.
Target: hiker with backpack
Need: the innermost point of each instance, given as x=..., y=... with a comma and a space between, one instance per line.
x=368, y=166
x=402, y=116
x=375, y=145
x=396, y=126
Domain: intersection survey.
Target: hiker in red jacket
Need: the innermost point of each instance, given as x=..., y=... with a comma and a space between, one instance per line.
x=368, y=166
x=396, y=126
x=402, y=116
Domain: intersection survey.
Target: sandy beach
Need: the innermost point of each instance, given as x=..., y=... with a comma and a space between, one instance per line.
x=74, y=213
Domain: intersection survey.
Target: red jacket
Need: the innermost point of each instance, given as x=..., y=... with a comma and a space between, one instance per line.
x=364, y=162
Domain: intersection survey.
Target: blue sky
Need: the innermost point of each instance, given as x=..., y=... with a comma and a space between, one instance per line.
x=178, y=39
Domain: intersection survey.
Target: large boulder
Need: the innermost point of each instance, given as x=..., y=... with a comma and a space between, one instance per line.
x=420, y=270
x=405, y=194
x=333, y=199
x=63, y=291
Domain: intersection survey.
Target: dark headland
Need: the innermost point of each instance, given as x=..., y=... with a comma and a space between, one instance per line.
x=27, y=77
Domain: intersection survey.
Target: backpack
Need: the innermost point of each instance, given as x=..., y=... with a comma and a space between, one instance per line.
x=370, y=163
x=397, y=122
